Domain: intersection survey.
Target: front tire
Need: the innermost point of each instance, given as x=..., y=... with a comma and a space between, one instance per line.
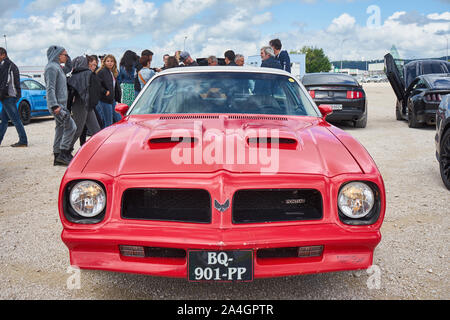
x=25, y=112
x=444, y=159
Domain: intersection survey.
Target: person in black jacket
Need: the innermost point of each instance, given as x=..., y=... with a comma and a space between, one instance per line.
x=84, y=94
x=10, y=93
x=111, y=94
x=229, y=58
x=93, y=66
x=268, y=58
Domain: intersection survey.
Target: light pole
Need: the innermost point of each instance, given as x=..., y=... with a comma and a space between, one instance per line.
x=446, y=37
x=342, y=54
x=184, y=44
x=6, y=44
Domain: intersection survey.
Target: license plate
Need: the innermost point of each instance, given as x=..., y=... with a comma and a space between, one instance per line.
x=236, y=265
x=336, y=106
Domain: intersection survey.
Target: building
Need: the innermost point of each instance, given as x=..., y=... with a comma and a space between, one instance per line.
x=298, y=64
x=37, y=73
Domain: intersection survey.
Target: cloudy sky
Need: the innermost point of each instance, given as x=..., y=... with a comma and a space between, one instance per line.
x=345, y=29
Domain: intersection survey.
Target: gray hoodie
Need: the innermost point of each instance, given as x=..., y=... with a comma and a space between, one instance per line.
x=55, y=80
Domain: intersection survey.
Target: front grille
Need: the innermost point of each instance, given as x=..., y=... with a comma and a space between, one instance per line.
x=181, y=205
x=272, y=205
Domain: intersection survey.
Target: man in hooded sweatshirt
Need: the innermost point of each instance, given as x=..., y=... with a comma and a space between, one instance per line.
x=57, y=95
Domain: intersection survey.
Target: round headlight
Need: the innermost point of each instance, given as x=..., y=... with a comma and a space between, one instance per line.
x=87, y=198
x=356, y=200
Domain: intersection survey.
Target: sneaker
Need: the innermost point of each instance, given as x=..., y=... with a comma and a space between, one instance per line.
x=19, y=145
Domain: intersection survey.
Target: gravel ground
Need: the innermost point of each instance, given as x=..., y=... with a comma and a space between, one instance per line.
x=412, y=258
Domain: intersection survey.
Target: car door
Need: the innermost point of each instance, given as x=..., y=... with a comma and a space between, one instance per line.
x=37, y=95
x=394, y=76
x=415, y=89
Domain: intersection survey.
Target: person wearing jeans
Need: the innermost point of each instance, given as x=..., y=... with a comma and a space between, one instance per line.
x=111, y=93
x=9, y=112
x=10, y=93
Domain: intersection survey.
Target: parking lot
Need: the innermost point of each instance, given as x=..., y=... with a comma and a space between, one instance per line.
x=411, y=262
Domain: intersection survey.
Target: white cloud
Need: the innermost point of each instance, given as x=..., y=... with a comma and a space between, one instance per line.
x=211, y=27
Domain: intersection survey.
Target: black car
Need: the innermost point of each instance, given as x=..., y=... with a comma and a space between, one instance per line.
x=417, y=92
x=343, y=92
x=423, y=98
x=443, y=139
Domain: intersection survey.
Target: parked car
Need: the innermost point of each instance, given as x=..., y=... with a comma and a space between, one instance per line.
x=402, y=80
x=443, y=139
x=33, y=102
x=342, y=92
x=424, y=95
x=172, y=190
x=375, y=79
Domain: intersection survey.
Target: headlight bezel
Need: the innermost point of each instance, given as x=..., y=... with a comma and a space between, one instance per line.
x=373, y=215
x=70, y=213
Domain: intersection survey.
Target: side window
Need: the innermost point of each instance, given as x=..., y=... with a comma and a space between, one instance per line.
x=34, y=85
x=420, y=85
x=23, y=86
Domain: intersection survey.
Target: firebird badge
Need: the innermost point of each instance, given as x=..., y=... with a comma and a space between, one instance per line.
x=222, y=207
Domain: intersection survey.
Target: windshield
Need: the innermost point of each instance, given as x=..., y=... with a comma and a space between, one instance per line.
x=321, y=79
x=440, y=83
x=224, y=92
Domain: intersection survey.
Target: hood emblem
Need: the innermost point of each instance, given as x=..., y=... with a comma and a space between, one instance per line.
x=222, y=207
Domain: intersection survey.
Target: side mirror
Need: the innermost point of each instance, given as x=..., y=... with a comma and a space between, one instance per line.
x=122, y=109
x=325, y=110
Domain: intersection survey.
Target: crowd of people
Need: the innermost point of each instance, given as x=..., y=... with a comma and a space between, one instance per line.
x=81, y=95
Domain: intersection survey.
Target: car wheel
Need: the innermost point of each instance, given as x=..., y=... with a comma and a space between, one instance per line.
x=444, y=159
x=412, y=119
x=25, y=112
x=398, y=112
x=361, y=123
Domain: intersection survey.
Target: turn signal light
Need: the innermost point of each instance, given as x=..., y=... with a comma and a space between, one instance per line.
x=312, y=251
x=132, y=251
x=312, y=93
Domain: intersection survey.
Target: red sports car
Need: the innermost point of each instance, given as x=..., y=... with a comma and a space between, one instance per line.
x=222, y=174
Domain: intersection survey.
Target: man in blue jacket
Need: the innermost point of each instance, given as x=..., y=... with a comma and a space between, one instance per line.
x=268, y=58
x=281, y=56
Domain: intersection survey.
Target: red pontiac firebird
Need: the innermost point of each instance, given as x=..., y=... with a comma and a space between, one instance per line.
x=222, y=174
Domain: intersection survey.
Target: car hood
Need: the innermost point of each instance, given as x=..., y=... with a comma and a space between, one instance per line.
x=240, y=144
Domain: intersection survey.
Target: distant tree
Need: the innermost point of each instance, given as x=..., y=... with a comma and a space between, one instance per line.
x=316, y=60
